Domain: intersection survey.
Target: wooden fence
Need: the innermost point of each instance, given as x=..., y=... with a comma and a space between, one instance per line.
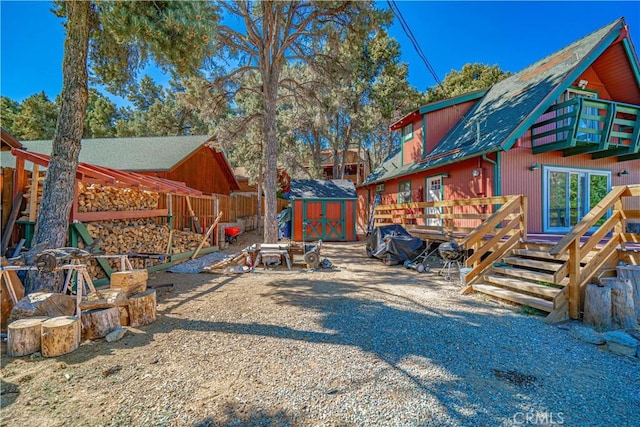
x=204, y=208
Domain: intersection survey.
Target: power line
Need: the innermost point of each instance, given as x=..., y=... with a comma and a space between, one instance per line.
x=407, y=30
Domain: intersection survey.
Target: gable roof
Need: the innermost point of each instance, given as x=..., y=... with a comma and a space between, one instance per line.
x=512, y=105
x=322, y=189
x=160, y=153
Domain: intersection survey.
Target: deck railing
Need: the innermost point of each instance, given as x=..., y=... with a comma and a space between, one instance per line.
x=488, y=226
x=577, y=267
x=587, y=125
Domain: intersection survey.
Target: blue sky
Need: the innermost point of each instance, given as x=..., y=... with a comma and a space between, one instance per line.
x=510, y=34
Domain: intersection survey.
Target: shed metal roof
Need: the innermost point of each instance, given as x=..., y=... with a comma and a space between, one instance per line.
x=322, y=189
x=160, y=153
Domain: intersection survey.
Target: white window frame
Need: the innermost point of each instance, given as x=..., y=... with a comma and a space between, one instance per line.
x=546, y=170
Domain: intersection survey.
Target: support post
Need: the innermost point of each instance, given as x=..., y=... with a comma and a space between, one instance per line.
x=574, y=279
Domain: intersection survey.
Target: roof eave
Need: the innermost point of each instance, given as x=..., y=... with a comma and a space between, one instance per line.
x=580, y=68
x=446, y=163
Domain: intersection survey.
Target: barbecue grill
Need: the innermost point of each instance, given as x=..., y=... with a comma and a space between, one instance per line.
x=452, y=254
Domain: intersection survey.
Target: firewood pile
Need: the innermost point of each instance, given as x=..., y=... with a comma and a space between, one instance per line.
x=102, y=198
x=141, y=236
x=28, y=195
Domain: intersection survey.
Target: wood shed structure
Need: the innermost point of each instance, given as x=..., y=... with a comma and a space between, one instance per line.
x=323, y=210
x=191, y=160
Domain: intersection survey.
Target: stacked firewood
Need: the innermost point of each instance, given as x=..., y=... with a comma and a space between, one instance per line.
x=102, y=198
x=141, y=236
x=27, y=197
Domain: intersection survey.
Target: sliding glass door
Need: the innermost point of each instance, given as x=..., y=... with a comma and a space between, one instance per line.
x=569, y=194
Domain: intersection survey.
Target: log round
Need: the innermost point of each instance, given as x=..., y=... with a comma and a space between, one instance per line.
x=632, y=273
x=597, y=307
x=60, y=335
x=142, y=308
x=24, y=336
x=623, y=314
x=130, y=281
x=99, y=322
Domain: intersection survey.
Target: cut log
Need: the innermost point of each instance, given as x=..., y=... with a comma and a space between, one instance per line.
x=60, y=335
x=44, y=304
x=124, y=315
x=632, y=273
x=104, y=298
x=623, y=314
x=24, y=336
x=130, y=281
x=98, y=323
x=597, y=307
x=142, y=308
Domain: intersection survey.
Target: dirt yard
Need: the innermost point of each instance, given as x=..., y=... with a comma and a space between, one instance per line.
x=359, y=344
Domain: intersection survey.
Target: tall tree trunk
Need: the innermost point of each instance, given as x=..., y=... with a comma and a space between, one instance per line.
x=271, y=160
x=260, y=189
x=58, y=190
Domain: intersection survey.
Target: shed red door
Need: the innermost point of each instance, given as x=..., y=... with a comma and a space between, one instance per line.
x=323, y=220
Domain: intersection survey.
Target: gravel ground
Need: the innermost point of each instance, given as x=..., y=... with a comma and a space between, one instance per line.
x=359, y=344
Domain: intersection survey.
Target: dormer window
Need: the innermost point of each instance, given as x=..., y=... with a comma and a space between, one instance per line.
x=407, y=132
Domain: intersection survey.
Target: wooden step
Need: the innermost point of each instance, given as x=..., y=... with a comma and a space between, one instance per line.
x=540, y=304
x=521, y=285
x=533, y=263
x=528, y=253
x=528, y=274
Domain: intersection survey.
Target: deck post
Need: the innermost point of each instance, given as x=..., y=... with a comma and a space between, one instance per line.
x=574, y=279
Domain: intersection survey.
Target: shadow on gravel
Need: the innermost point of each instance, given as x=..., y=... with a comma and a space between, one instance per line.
x=408, y=336
x=244, y=415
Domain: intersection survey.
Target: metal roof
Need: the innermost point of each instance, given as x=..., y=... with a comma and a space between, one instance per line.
x=106, y=176
x=160, y=153
x=510, y=107
x=322, y=189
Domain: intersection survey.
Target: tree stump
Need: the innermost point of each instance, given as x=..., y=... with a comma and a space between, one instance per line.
x=99, y=322
x=60, y=335
x=130, y=281
x=142, y=308
x=597, y=307
x=24, y=336
x=623, y=314
x=632, y=273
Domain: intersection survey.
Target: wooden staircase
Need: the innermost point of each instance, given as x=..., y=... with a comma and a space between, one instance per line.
x=526, y=275
x=552, y=277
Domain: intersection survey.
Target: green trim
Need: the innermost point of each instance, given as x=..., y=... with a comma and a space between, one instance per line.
x=633, y=59
x=561, y=87
x=86, y=237
x=497, y=187
x=452, y=101
x=424, y=136
x=409, y=135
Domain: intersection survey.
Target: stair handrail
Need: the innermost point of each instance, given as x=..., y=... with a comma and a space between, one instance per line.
x=571, y=244
x=487, y=238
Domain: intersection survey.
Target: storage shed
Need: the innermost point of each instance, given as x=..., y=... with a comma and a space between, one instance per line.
x=323, y=210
